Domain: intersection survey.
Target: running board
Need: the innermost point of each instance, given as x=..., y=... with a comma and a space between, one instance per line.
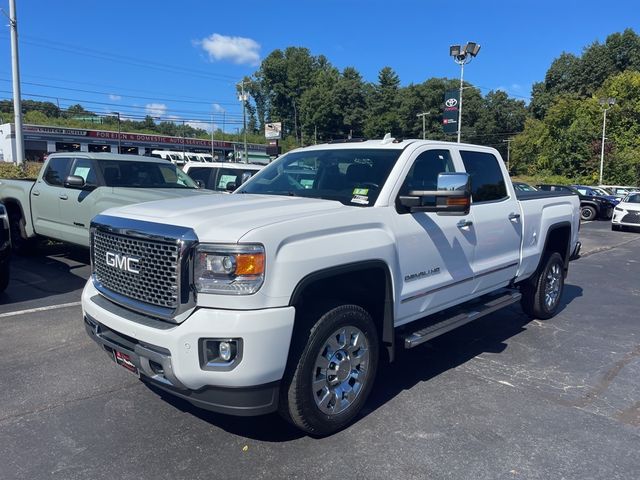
x=460, y=316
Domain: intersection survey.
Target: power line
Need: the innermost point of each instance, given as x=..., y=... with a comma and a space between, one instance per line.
x=87, y=52
x=157, y=99
x=205, y=115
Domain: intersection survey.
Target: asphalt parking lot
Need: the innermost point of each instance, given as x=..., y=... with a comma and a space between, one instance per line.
x=504, y=397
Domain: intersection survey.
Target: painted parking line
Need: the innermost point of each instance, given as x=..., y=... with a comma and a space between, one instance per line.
x=40, y=309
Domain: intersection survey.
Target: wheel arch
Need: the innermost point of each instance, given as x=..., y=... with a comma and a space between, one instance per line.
x=558, y=239
x=374, y=293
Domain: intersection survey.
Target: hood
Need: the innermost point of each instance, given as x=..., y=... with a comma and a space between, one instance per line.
x=226, y=218
x=629, y=206
x=137, y=195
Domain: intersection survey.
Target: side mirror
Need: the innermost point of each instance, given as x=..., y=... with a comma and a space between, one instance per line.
x=231, y=186
x=245, y=176
x=453, y=196
x=200, y=183
x=74, y=181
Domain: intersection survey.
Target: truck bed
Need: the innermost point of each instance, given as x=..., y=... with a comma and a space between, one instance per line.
x=524, y=196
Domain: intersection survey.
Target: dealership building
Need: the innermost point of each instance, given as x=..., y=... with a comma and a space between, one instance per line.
x=40, y=140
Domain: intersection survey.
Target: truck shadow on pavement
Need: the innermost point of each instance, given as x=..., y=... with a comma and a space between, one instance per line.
x=486, y=335
x=52, y=270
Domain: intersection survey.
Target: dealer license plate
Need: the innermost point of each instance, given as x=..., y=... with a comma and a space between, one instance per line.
x=124, y=360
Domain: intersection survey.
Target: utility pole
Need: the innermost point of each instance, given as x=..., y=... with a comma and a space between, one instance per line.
x=17, y=98
x=508, y=142
x=212, y=125
x=424, y=125
x=606, y=104
x=243, y=98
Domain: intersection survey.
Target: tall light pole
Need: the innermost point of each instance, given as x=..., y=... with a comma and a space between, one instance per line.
x=119, y=141
x=462, y=56
x=424, y=126
x=508, y=142
x=15, y=70
x=606, y=104
x=243, y=98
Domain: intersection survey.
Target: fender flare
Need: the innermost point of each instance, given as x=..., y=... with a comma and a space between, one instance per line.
x=388, y=328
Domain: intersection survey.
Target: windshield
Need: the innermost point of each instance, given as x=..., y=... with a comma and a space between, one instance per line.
x=350, y=176
x=119, y=173
x=632, y=198
x=221, y=178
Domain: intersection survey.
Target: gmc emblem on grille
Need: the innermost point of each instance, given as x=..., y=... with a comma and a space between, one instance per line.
x=122, y=262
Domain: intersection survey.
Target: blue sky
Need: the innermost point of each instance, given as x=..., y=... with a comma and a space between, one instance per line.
x=180, y=60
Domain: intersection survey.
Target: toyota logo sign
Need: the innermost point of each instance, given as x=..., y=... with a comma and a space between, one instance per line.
x=451, y=102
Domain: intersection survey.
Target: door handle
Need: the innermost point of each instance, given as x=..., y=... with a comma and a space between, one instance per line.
x=63, y=196
x=464, y=223
x=36, y=193
x=514, y=216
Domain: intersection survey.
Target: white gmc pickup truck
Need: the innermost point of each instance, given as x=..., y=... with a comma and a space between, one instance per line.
x=286, y=294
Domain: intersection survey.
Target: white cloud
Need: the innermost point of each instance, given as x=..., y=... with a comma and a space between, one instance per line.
x=115, y=98
x=199, y=124
x=156, y=109
x=239, y=50
x=217, y=108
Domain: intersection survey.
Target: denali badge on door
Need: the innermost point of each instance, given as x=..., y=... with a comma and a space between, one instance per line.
x=122, y=262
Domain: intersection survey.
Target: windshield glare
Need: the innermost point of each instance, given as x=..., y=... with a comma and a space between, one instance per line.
x=119, y=173
x=350, y=176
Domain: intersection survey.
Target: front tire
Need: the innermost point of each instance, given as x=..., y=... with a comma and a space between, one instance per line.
x=587, y=213
x=326, y=385
x=541, y=296
x=616, y=228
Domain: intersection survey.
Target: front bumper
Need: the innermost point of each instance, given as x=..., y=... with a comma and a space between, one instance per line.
x=627, y=218
x=167, y=354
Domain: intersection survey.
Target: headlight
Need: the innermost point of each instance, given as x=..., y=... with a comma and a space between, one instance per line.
x=618, y=209
x=229, y=269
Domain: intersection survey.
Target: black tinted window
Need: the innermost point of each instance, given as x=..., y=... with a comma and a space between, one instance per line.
x=487, y=182
x=57, y=171
x=201, y=174
x=424, y=172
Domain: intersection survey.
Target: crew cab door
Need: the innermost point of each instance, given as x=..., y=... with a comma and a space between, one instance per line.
x=46, y=195
x=77, y=206
x=497, y=221
x=435, y=251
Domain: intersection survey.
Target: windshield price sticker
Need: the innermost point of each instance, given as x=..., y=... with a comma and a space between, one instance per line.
x=361, y=191
x=361, y=199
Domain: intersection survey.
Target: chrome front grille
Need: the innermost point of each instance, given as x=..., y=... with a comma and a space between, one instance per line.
x=157, y=263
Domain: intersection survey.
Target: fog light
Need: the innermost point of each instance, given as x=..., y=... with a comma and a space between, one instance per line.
x=219, y=353
x=225, y=351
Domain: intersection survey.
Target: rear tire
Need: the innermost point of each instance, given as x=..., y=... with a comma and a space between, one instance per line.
x=4, y=275
x=326, y=384
x=587, y=213
x=19, y=244
x=541, y=296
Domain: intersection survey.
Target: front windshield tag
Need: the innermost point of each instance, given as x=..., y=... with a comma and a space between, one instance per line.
x=361, y=191
x=361, y=199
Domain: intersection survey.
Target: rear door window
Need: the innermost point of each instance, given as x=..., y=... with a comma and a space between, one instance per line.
x=57, y=171
x=487, y=181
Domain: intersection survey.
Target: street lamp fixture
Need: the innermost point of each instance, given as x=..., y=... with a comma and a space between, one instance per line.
x=462, y=56
x=605, y=104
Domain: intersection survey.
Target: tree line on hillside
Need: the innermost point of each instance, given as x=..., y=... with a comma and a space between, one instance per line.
x=557, y=134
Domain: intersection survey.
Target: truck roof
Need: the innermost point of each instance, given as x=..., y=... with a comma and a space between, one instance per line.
x=238, y=165
x=109, y=156
x=391, y=144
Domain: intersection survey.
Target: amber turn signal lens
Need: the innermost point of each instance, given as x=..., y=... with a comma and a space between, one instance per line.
x=249, y=264
x=452, y=201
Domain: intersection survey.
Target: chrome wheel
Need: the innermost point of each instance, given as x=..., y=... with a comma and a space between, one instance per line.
x=341, y=370
x=553, y=286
